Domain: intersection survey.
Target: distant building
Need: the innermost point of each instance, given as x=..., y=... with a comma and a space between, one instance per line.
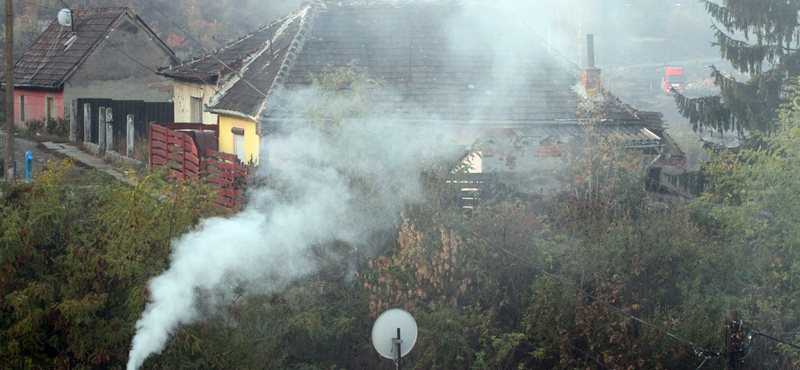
x=108, y=54
x=471, y=70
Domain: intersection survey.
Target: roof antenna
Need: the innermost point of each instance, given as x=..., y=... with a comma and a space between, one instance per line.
x=65, y=18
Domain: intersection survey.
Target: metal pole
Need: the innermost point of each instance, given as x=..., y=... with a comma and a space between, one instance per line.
x=9, y=70
x=399, y=352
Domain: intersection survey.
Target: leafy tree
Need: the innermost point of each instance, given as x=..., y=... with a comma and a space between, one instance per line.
x=75, y=262
x=759, y=38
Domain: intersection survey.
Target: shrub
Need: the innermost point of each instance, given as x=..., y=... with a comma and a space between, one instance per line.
x=51, y=126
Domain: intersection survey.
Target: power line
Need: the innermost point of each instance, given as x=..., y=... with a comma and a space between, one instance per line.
x=110, y=43
x=38, y=5
x=705, y=359
x=238, y=73
x=776, y=339
x=698, y=350
x=139, y=63
x=587, y=355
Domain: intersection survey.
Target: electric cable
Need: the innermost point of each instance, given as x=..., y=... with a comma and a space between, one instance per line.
x=38, y=5
x=705, y=359
x=110, y=43
x=49, y=53
x=699, y=351
x=587, y=355
x=238, y=73
x=749, y=346
x=152, y=71
x=776, y=339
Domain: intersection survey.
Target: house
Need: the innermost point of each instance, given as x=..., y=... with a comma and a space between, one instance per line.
x=107, y=53
x=228, y=86
x=474, y=70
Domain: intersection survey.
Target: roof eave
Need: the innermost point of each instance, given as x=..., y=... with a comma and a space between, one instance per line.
x=233, y=113
x=48, y=87
x=152, y=34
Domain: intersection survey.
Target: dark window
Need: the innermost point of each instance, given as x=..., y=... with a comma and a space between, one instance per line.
x=22, y=108
x=196, y=114
x=675, y=79
x=51, y=108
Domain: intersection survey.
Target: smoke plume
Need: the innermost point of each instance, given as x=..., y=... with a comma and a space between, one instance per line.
x=346, y=184
x=339, y=193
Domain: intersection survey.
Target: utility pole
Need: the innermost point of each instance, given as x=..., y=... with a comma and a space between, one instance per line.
x=9, y=70
x=734, y=340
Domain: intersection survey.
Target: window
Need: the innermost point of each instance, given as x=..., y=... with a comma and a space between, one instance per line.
x=238, y=143
x=196, y=110
x=22, y=108
x=50, y=109
x=675, y=79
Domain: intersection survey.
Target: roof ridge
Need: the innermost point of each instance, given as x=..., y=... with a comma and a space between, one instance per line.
x=306, y=26
x=264, y=47
x=234, y=43
x=119, y=9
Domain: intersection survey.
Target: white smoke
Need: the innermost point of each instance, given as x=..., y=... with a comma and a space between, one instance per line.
x=343, y=189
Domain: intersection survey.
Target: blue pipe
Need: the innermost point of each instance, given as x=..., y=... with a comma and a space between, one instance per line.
x=28, y=165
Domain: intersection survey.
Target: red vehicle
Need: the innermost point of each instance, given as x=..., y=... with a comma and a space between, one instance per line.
x=674, y=78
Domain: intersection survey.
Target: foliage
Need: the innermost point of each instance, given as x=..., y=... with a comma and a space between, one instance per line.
x=342, y=93
x=760, y=38
x=50, y=126
x=75, y=262
x=604, y=169
x=756, y=189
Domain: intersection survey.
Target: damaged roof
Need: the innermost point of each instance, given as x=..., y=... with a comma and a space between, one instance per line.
x=436, y=60
x=52, y=59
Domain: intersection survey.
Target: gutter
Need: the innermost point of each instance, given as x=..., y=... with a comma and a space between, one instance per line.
x=232, y=113
x=452, y=123
x=59, y=87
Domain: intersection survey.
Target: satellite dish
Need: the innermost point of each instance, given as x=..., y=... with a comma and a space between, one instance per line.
x=388, y=326
x=65, y=17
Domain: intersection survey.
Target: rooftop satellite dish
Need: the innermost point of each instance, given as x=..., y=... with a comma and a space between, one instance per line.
x=65, y=17
x=394, y=334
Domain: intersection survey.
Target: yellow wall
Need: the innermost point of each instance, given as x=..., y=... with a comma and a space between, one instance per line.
x=251, y=139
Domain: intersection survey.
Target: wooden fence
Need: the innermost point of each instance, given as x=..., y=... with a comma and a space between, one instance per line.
x=178, y=152
x=693, y=183
x=467, y=191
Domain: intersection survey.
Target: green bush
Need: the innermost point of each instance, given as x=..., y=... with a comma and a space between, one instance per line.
x=51, y=126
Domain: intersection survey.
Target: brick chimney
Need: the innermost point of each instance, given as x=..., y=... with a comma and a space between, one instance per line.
x=591, y=79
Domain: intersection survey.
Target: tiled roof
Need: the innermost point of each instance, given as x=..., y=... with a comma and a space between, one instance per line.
x=49, y=62
x=255, y=61
x=413, y=50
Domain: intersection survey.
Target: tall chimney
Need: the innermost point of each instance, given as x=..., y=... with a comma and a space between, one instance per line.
x=592, y=80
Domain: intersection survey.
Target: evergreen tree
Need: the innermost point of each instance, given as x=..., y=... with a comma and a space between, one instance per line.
x=760, y=38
